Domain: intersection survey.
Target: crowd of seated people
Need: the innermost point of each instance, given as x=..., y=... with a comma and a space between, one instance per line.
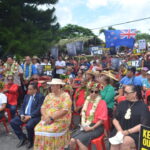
x=46, y=104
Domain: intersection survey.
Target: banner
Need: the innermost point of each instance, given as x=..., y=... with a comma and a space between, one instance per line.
x=144, y=141
x=142, y=44
x=135, y=63
x=96, y=50
x=71, y=48
x=54, y=52
x=79, y=46
x=44, y=70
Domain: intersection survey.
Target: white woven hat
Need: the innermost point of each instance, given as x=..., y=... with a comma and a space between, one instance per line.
x=56, y=81
x=148, y=72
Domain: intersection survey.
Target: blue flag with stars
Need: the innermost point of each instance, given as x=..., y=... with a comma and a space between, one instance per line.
x=120, y=38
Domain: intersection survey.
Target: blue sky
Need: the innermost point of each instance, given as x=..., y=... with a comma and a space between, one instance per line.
x=98, y=13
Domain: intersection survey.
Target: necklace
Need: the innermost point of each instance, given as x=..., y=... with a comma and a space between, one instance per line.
x=87, y=120
x=128, y=113
x=13, y=68
x=30, y=71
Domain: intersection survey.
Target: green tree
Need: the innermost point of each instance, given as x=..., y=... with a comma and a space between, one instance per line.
x=75, y=31
x=72, y=31
x=103, y=30
x=26, y=30
x=145, y=36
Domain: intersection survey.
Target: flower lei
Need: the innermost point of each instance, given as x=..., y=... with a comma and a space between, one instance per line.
x=13, y=68
x=87, y=120
x=30, y=71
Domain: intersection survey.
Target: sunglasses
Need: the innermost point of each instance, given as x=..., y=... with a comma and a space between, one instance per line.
x=127, y=93
x=96, y=92
x=10, y=79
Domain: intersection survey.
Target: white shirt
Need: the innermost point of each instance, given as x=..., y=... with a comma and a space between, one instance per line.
x=45, y=63
x=3, y=99
x=61, y=64
x=31, y=97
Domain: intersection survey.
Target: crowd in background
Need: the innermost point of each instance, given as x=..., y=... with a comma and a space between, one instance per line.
x=94, y=85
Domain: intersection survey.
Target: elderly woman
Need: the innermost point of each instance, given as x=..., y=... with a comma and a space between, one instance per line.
x=107, y=93
x=94, y=112
x=52, y=132
x=11, y=91
x=128, y=120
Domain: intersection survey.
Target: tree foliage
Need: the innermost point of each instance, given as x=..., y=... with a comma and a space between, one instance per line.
x=72, y=31
x=75, y=32
x=26, y=30
x=145, y=36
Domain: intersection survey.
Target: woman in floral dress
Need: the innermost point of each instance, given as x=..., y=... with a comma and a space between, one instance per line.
x=52, y=132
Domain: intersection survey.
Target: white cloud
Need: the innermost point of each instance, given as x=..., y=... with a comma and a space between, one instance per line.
x=64, y=11
x=128, y=10
x=64, y=15
x=93, y=4
x=124, y=10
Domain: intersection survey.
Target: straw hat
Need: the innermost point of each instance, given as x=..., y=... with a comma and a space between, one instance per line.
x=90, y=72
x=35, y=57
x=69, y=69
x=110, y=75
x=56, y=81
x=44, y=79
x=93, y=73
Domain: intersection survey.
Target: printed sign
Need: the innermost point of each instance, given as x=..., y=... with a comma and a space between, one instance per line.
x=96, y=50
x=45, y=70
x=144, y=141
x=71, y=48
x=135, y=63
x=142, y=44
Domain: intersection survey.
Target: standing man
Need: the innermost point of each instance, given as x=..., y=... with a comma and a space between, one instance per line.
x=29, y=114
x=28, y=70
x=60, y=67
x=11, y=67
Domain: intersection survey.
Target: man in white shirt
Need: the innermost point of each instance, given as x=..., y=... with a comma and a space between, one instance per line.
x=60, y=67
x=3, y=101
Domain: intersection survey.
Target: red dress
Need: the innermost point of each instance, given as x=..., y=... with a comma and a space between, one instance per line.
x=81, y=97
x=101, y=112
x=12, y=94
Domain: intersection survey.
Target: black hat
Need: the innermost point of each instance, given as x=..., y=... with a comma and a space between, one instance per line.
x=132, y=69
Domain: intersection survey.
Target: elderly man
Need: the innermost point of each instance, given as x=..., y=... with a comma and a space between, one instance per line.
x=11, y=67
x=28, y=70
x=29, y=114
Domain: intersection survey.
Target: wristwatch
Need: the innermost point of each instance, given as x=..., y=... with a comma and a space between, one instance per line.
x=51, y=119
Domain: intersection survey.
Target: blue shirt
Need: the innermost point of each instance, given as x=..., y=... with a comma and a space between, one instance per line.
x=34, y=70
x=130, y=81
x=141, y=79
x=146, y=83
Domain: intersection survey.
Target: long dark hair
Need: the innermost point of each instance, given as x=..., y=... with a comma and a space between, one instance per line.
x=138, y=91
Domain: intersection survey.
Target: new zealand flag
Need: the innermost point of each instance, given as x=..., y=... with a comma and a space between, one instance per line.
x=120, y=38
